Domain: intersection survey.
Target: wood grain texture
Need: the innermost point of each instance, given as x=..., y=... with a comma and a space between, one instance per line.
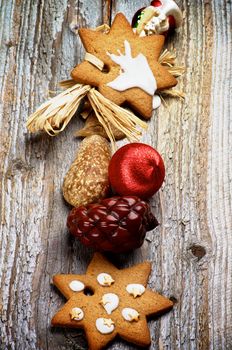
x=191, y=250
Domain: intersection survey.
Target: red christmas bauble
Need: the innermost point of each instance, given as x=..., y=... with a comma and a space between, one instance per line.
x=156, y=3
x=136, y=169
x=172, y=23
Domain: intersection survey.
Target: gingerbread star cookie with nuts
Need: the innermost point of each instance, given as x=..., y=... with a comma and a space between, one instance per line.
x=130, y=71
x=106, y=302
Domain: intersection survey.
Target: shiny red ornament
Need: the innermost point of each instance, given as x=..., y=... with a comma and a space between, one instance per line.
x=136, y=169
x=156, y=3
x=172, y=24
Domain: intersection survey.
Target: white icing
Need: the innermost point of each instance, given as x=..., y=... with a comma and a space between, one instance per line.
x=105, y=325
x=156, y=102
x=135, y=72
x=77, y=314
x=130, y=314
x=110, y=302
x=76, y=286
x=104, y=279
x=135, y=289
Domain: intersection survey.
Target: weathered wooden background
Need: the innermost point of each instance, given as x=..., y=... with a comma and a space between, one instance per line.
x=191, y=251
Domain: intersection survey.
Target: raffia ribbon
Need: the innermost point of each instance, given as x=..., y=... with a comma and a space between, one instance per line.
x=54, y=115
x=94, y=60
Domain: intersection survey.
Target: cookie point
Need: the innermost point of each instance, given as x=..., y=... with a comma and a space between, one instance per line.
x=54, y=322
x=55, y=279
x=120, y=20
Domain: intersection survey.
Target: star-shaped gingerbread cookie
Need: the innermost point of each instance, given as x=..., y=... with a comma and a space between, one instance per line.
x=132, y=72
x=106, y=302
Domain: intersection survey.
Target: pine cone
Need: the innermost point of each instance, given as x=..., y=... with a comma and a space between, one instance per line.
x=117, y=224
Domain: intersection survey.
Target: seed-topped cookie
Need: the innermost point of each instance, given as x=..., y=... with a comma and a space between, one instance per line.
x=107, y=302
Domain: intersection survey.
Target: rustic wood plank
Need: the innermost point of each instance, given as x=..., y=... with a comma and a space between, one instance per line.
x=219, y=194
x=180, y=133
x=191, y=250
x=37, y=50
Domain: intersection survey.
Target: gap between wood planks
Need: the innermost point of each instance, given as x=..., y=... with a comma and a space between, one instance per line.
x=107, y=11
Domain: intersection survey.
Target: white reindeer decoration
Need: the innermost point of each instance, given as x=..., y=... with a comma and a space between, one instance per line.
x=135, y=72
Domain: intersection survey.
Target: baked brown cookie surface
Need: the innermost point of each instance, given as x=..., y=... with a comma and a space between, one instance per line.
x=110, y=48
x=106, y=302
